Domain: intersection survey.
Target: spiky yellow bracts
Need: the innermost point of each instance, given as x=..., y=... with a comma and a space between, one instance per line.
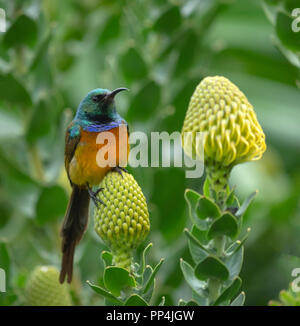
x=222, y=112
x=123, y=221
x=44, y=289
x=231, y=132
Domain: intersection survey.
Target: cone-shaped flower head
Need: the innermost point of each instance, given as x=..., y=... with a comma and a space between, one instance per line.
x=44, y=289
x=123, y=221
x=231, y=132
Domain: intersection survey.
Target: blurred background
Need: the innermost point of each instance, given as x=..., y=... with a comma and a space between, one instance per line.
x=54, y=52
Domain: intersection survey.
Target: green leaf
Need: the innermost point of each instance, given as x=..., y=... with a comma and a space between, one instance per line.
x=10, y=169
x=202, y=299
x=135, y=300
x=246, y=204
x=187, y=52
x=207, y=208
x=181, y=302
x=51, y=204
x=285, y=33
x=290, y=5
x=145, y=252
x=239, y=300
x=237, y=245
x=189, y=275
x=117, y=279
x=148, y=295
x=105, y=294
x=11, y=124
x=40, y=123
x=234, y=263
x=191, y=303
x=291, y=56
x=21, y=189
x=212, y=267
x=152, y=277
x=206, y=191
x=271, y=7
x=107, y=258
x=198, y=251
x=108, y=302
x=225, y=225
x=168, y=21
x=230, y=292
x=200, y=235
x=133, y=65
x=146, y=277
x=194, y=240
x=192, y=198
x=179, y=101
x=111, y=29
x=145, y=103
x=147, y=273
x=230, y=198
x=23, y=31
x=40, y=67
x=13, y=92
x=162, y=301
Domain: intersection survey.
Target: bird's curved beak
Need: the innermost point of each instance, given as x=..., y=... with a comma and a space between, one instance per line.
x=110, y=96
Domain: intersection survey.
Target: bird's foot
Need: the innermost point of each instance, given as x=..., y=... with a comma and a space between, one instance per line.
x=120, y=170
x=93, y=196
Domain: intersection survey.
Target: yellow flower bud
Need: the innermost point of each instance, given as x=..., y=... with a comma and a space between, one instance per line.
x=123, y=222
x=232, y=134
x=230, y=130
x=43, y=288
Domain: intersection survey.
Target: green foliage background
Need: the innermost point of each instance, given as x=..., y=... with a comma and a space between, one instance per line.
x=54, y=52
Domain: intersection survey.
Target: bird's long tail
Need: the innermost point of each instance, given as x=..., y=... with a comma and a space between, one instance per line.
x=74, y=225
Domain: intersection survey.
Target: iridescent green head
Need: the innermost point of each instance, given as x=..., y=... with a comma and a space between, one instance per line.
x=98, y=105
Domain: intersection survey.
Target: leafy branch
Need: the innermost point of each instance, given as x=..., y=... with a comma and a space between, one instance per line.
x=120, y=287
x=216, y=252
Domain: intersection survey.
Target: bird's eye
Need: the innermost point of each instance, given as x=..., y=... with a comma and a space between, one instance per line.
x=98, y=98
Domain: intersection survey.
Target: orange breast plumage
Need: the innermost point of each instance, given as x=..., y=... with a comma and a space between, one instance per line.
x=97, y=153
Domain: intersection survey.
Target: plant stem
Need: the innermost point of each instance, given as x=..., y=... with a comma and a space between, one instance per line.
x=219, y=244
x=218, y=177
x=214, y=286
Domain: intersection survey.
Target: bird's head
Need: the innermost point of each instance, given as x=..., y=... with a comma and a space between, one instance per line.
x=99, y=105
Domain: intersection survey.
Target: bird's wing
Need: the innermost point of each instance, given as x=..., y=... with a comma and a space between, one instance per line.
x=71, y=142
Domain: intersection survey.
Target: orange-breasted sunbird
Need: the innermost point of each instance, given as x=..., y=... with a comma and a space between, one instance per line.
x=96, y=116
